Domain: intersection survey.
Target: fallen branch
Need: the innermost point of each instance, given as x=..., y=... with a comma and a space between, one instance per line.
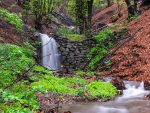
x=107, y=56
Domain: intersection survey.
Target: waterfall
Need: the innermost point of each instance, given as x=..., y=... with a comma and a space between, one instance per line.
x=50, y=55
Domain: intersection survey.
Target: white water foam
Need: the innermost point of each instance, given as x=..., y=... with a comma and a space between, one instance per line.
x=132, y=91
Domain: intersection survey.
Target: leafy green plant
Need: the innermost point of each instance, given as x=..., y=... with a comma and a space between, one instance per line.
x=108, y=63
x=15, y=93
x=21, y=99
x=57, y=85
x=131, y=18
x=117, y=26
x=14, y=61
x=73, y=86
x=79, y=73
x=12, y=18
x=101, y=89
x=104, y=42
x=75, y=37
x=89, y=73
x=29, y=46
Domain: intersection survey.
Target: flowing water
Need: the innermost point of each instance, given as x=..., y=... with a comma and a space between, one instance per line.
x=133, y=100
x=50, y=55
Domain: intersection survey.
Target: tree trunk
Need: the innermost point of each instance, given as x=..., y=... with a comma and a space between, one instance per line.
x=81, y=7
x=108, y=3
x=89, y=4
x=131, y=10
x=79, y=22
x=83, y=15
x=135, y=5
x=119, y=13
x=19, y=2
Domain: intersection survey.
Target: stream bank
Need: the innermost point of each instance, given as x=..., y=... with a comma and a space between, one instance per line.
x=133, y=100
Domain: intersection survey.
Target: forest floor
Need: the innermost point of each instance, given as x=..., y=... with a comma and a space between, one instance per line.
x=130, y=62
x=133, y=61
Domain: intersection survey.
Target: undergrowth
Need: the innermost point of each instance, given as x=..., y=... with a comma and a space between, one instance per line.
x=73, y=86
x=21, y=78
x=131, y=18
x=81, y=73
x=101, y=89
x=16, y=95
x=104, y=42
x=12, y=18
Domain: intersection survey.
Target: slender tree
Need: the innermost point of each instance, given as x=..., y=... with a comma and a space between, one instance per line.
x=118, y=8
x=108, y=3
x=41, y=9
x=90, y=6
x=131, y=10
x=135, y=5
x=19, y=2
x=82, y=14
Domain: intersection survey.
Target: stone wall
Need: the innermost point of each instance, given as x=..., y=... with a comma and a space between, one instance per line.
x=73, y=54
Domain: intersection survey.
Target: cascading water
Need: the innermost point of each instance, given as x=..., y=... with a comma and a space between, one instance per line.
x=132, y=91
x=132, y=101
x=50, y=56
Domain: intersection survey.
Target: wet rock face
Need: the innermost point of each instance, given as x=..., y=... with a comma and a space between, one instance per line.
x=74, y=54
x=118, y=83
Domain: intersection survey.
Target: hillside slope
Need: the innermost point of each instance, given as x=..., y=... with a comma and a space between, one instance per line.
x=132, y=61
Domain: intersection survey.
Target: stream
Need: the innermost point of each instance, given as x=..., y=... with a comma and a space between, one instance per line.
x=133, y=100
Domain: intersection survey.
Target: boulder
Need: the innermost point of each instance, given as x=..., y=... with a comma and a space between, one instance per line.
x=147, y=85
x=118, y=83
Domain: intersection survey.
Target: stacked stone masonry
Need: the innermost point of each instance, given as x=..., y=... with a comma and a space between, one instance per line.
x=74, y=54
